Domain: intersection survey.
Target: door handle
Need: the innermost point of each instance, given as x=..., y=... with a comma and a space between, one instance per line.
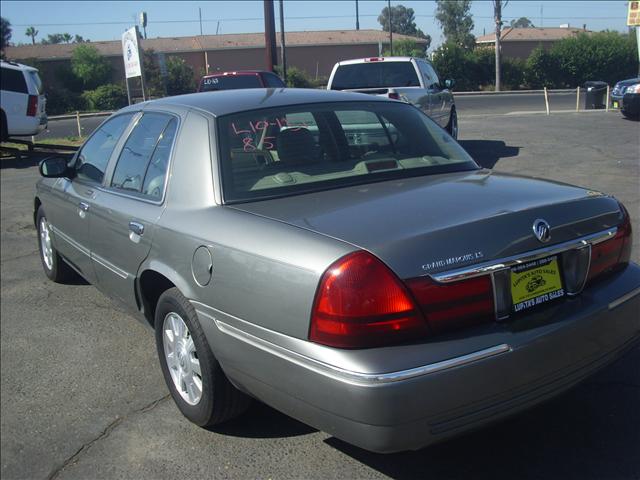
x=83, y=206
x=136, y=228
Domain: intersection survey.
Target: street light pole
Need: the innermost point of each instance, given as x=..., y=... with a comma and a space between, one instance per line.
x=271, y=56
x=357, y=17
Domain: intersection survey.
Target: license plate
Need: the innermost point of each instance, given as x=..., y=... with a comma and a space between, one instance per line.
x=535, y=283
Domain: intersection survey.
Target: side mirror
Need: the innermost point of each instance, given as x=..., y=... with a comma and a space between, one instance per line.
x=449, y=83
x=54, y=167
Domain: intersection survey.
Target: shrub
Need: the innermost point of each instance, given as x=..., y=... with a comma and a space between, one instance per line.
x=106, y=97
x=453, y=61
x=179, y=77
x=61, y=100
x=90, y=67
x=541, y=69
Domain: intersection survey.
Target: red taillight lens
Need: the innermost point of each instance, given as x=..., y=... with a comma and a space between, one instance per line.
x=360, y=303
x=613, y=253
x=449, y=306
x=394, y=95
x=32, y=106
x=374, y=59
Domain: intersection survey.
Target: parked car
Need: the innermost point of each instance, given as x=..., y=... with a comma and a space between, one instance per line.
x=411, y=80
x=626, y=96
x=241, y=79
x=338, y=257
x=22, y=101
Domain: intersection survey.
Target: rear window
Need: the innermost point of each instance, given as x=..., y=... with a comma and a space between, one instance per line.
x=283, y=151
x=375, y=75
x=33, y=74
x=13, y=81
x=229, y=82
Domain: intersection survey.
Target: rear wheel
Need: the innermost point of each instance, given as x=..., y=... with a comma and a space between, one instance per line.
x=195, y=379
x=452, y=126
x=632, y=116
x=55, y=268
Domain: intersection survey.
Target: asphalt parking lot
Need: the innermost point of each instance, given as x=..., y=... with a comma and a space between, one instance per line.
x=83, y=395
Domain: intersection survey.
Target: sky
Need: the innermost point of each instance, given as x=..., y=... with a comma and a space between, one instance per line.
x=107, y=20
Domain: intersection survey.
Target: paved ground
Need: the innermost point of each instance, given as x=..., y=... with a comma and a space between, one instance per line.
x=468, y=105
x=83, y=396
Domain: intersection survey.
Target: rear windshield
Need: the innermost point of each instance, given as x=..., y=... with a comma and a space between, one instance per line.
x=298, y=149
x=375, y=75
x=229, y=82
x=36, y=80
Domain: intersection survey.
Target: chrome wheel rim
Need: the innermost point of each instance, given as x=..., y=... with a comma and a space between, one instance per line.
x=45, y=243
x=181, y=358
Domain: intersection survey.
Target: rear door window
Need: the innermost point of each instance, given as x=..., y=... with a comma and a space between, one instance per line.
x=93, y=158
x=13, y=81
x=146, y=138
x=375, y=75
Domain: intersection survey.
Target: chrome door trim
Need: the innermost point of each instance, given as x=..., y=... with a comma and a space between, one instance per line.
x=624, y=298
x=499, y=264
x=70, y=241
x=109, y=266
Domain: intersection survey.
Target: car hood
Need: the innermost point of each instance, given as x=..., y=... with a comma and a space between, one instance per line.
x=435, y=223
x=626, y=83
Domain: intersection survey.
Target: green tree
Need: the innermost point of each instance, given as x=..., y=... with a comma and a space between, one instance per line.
x=31, y=32
x=179, y=77
x=78, y=39
x=407, y=48
x=403, y=21
x=455, y=62
x=89, y=66
x=53, y=39
x=5, y=33
x=541, y=69
x=154, y=82
x=456, y=21
x=66, y=37
x=522, y=22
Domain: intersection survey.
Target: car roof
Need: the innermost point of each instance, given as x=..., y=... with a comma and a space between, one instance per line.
x=17, y=66
x=224, y=102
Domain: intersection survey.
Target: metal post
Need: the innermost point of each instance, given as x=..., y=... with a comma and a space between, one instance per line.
x=390, y=30
x=546, y=99
x=78, y=124
x=357, y=17
x=126, y=81
x=283, y=55
x=141, y=56
x=497, y=5
x=271, y=56
x=607, y=103
x=578, y=99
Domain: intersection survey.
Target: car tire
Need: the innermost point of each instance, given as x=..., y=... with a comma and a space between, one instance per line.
x=452, y=126
x=4, y=128
x=199, y=388
x=632, y=116
x=55, y=268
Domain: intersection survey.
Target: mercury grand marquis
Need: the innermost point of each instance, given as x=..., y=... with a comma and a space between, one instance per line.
x=341, y=258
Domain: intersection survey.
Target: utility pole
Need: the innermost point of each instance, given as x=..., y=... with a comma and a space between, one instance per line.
x=497, y=13
x=357, y=17
x=390, y=29
x=283, y=55
x=200, y=18
x=271, y=56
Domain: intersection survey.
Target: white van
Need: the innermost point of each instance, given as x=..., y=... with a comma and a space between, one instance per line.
x=22, y=101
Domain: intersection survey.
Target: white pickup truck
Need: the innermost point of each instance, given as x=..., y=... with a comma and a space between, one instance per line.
x=408, y=79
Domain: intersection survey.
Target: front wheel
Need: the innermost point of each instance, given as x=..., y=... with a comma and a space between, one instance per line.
x=452, y=126
x=55, y=268
x=195, y=379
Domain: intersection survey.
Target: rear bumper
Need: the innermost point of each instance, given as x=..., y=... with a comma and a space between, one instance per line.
x=343, y=393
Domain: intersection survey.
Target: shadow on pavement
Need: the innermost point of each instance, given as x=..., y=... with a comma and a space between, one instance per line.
x=24, y=159
x=591, y=432
x=487, y=152
x=262, y=421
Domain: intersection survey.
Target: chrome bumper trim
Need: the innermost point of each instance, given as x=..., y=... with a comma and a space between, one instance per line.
x=494, y=265
x=624, y=298
x=351, y=377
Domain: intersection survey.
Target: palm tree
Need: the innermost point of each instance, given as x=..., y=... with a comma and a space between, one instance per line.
x=31, y=32
x=66, y=37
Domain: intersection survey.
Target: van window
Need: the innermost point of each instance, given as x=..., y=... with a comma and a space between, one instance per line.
x=13, y=81
x=36, y=80
x=375, y=75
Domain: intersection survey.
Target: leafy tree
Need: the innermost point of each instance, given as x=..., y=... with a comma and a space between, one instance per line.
x=522, y=22
x=407, y=48
x=89, y=66
x=154, y=82
x=67, y=37
x=179, y=77
x=403, y=21
x=79, y=39
x=31, y=32
x=53, y=39
x=541, y=69
x=456, y=21
x=5, y=33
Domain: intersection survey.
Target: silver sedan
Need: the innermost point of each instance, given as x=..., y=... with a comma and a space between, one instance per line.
x=342, y=259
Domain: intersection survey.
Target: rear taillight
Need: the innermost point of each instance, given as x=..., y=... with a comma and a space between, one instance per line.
x=32, y=106
x=613, y=253
x=394, y=95
x=450, y=306
x=374, y=59
x=360, y=303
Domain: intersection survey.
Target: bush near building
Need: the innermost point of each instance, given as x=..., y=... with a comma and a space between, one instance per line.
x=106, y=97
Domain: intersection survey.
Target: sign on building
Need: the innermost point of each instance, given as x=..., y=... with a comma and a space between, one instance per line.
x=131, y=53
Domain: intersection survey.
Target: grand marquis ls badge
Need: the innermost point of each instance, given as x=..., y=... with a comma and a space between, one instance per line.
x=542, y=230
